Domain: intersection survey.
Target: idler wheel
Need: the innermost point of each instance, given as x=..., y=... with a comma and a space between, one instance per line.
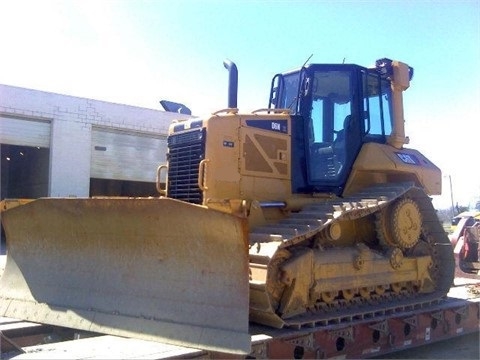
x=396, y=257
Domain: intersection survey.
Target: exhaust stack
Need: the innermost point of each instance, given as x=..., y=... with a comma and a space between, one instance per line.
x=232, y=83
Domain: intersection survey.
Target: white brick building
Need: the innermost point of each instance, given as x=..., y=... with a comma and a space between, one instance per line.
x=59, y=146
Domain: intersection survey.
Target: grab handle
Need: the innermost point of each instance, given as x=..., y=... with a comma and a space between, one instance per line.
x=162, y=192
x=202, y=174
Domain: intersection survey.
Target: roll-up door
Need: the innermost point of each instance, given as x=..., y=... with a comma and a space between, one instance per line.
x=122, y=155
x=24, y=132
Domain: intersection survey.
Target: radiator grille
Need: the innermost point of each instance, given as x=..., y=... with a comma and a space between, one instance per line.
x=185, y=151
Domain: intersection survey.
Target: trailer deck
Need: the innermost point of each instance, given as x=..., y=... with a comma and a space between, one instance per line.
x=406, y=328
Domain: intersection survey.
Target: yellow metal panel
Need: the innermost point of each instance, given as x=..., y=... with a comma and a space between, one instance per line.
x=378, y=163
x=248, y=162
x=222, y=177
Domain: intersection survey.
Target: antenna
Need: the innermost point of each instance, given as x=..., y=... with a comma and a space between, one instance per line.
x=300, y=73
x=306, y=61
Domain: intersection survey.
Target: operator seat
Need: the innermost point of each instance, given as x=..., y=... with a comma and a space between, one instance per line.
x=346, y=127
x=339, y=145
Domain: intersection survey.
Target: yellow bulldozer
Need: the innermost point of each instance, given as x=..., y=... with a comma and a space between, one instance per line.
x=307, y=212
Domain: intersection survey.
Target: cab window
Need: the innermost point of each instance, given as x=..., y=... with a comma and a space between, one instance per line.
x=377, y=106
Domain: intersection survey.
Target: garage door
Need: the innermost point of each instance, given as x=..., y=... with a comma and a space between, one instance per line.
x=24, y=132
x=129, y=156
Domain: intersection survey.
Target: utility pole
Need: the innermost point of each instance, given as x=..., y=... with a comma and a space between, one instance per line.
x=451, y=195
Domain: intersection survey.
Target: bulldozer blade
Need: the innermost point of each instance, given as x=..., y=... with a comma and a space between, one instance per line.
x=150, y=268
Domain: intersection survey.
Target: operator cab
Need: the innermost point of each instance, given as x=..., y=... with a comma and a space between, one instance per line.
x=335, y=109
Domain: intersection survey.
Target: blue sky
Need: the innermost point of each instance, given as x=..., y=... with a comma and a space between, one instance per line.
x=139, y=52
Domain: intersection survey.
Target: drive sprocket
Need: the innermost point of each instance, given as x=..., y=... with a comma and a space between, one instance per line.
x=400, y=224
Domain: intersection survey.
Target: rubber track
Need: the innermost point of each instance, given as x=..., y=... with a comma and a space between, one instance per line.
x=301, y=226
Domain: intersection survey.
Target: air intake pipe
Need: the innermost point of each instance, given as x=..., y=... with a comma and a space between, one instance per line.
x=232, y=83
